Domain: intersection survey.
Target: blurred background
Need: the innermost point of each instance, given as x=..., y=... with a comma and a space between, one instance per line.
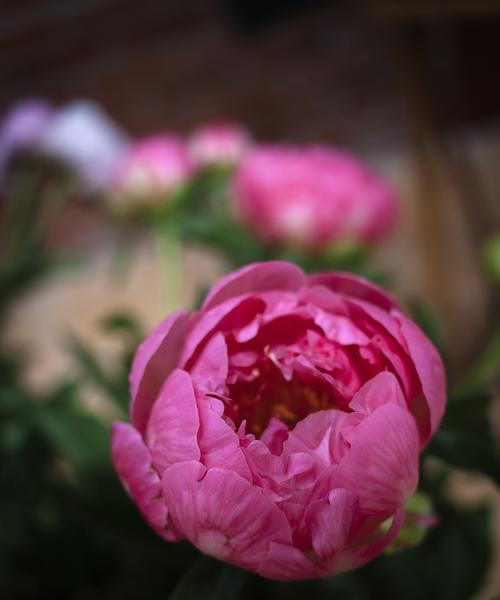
x=411, y=86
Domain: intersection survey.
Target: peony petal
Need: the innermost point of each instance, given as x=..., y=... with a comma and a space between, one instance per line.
x=132, y=461
x=379, y=390
x=381, y=467
x=321, y=435
x=359, y=555
x=210, y=370
x=354, y=286
x=174, y=422
x=255, y=278
x=219, y=444
x=274, y=435
x=331, y=522
x=429, y=366
x=287, y=563
x=232, y=314
x=222, y=514
x=154, y=360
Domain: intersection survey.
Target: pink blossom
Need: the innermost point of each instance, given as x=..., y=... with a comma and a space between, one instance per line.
x=312, y=197
x=151, y=170
x=221, y=143
x=279, y=427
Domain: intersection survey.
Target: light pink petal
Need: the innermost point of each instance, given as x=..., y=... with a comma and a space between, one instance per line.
x=156, y=357
x=379, y=390
x=287, y=563
x=132, y=462
x=219, y=444
x=210, y=370
x=331, y=522
x=429, y=367
x=355, y=286
x=255, y=278
x=222, y=514
x=381, y=467
x=174, y=422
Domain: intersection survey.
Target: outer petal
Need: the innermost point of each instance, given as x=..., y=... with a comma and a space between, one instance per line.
x=429, y=367
x=222, y=514
x=357, y=556
x=255, y=278
x=381, y=467
x=154, y=360
x=286, y=563
x=354, y=286
x=331, y=522
x=132, y=462
x=174, y=422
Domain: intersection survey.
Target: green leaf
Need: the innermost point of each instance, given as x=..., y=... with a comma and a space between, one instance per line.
x=484, y=370
x=210, y=579
x=114, y=386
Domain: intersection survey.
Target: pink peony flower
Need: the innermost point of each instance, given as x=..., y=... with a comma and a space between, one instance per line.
x=151, y=169
x=279, y=427
x=221, y=143
x=311, y=197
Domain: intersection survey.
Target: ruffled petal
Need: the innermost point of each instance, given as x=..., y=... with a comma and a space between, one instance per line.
x=235, y=313
x=222, y=514
x=382, y=389
x=156, y=357
x=132, y=462
x=219, y=444
x=255, y=278
x=174, y=422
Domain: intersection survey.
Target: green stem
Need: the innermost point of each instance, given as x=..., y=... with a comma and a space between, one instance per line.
x=169, y=251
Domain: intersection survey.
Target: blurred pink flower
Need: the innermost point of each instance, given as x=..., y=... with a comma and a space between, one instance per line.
x=83, y=136
x=279, y=427
x=22, y=127
x=312, y=197
x=151, y=170
x=221, y=143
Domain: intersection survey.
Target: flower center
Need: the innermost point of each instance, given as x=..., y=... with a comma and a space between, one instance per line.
x=265, y=393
